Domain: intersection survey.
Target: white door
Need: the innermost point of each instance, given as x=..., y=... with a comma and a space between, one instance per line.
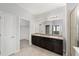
x=2, y=29
x=10, y=42
x=10, y=35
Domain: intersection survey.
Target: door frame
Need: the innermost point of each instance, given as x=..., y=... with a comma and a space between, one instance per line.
x=29, y=29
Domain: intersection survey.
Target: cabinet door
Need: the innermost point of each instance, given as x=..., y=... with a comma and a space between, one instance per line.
x=43, y=42
x=58, y=46
x=48, y=43
x=39, y=41
x=36, y=40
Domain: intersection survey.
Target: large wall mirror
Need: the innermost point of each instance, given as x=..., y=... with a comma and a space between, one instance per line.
x=54, y=27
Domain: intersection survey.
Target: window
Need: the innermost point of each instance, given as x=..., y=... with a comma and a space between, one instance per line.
x=47, y=29
x=55, y=29
x=58, y=28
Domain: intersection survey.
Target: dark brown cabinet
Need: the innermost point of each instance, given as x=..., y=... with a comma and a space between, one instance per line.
x=51, y=44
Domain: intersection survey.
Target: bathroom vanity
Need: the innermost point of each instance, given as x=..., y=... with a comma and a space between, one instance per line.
x=51, y=43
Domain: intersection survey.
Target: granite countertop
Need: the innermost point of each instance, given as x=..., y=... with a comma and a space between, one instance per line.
x=48, y=36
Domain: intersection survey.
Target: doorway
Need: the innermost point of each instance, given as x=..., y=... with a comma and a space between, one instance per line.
x=24, y=33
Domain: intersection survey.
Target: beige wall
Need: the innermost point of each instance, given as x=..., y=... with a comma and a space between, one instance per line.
x=68, y=23
x=73, y=30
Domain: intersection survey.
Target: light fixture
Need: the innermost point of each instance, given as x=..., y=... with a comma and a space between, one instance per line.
x=51, y=18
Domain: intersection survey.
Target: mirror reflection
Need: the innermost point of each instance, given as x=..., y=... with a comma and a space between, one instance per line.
x=54, y=27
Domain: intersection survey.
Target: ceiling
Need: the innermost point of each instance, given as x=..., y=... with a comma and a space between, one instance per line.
x=38, y=8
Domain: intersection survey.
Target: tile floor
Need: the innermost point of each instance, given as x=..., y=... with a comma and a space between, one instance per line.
x=33, y=50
